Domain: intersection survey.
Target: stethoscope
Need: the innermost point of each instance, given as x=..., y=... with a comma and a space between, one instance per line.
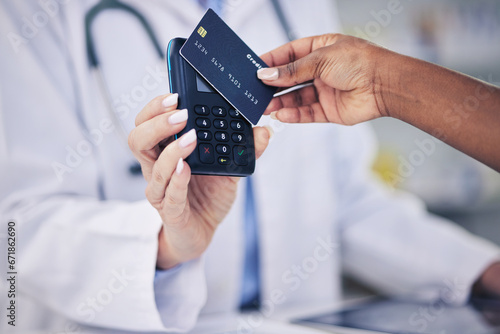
x=103, y=5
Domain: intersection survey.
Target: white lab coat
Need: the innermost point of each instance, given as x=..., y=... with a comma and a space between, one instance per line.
x=87, y=239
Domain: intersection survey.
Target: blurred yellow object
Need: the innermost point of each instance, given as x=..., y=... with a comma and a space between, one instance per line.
x=386, y=167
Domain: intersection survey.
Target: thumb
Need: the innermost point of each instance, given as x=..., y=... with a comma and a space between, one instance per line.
x=294, y=73
x=261, y=135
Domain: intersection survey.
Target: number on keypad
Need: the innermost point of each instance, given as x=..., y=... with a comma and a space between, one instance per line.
x=234, y=113
x=221, y=136
x=237, y=125
x=203, y=122
x=238, y=138
x=220, y=124
x=223, y=149
x=219, y=111
x=204, y=135
x=201, y=110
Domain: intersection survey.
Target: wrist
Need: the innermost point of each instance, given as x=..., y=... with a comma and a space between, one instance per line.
x=165, y=259
x=387, y=83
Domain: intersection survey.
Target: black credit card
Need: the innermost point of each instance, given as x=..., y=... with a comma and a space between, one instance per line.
x=229, y=65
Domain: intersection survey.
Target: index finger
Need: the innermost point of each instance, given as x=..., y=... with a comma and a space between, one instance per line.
x=290, y=52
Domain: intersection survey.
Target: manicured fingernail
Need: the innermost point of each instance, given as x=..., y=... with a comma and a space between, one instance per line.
x=270, y=130
x=187, y=139
x=180, y=166
x=273, y=115
x=170, y=100
x=268, y=74
x=178, y=117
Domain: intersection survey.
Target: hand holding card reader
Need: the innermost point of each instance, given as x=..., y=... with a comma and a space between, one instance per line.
x=225, y=143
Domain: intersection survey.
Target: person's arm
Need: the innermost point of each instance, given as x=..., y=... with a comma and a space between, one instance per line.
x=356, y=81
x=458, y=109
